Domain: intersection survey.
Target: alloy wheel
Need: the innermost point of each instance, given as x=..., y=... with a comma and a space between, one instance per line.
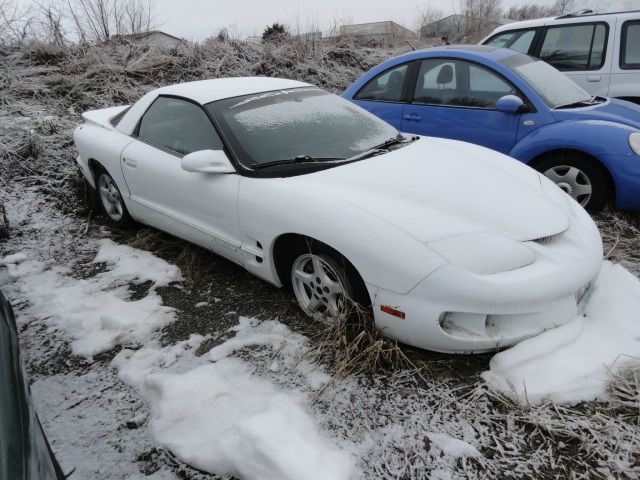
x=319, y=289
x=572, y=181
x=110, y=197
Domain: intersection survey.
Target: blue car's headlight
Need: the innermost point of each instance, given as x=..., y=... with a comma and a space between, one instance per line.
x=634, y=142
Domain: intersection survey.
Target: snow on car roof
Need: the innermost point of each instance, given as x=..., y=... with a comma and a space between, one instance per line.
x=205, y=91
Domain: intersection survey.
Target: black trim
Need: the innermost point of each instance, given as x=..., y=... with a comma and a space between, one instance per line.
x=527, y=106
x=403, y=96
x=623, y=46
x=543, y=36
x=225, y=144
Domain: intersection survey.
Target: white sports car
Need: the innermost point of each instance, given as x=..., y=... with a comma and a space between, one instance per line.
x=453, y=247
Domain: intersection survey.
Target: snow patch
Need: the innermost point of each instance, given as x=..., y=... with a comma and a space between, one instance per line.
x=96, y=312
x=222, y=418
x=574, y=362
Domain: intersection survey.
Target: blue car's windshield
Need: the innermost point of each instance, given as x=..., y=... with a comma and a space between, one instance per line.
x=555, y=88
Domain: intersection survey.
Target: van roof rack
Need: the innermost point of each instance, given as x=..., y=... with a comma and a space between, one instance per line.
x=586, y=11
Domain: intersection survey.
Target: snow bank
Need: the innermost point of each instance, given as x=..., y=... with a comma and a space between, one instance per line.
x=96, y=312
x=224, y=418
x=574, y=362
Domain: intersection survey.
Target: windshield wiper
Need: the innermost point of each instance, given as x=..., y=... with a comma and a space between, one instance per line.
x=383, y=146
x=582, y=103
x=298, y=159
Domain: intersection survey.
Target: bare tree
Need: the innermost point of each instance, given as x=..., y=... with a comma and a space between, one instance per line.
x=426, y=15
x=15, y=22
x=476, y=17
x=99, y=20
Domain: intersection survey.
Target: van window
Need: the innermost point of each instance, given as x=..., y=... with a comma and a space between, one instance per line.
x=629, y=51
x=575, y=47
x=518, y=40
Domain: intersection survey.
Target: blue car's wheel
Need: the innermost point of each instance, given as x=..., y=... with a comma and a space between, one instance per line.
x=579, y=177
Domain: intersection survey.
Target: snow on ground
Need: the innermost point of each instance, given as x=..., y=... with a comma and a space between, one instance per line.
x=574, y=362
x=96, y=312
x=256, y=404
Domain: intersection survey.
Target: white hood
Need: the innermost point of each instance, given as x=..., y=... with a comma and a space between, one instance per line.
x=435, y=188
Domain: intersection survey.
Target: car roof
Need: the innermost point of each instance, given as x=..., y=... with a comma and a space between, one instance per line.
x=206, y=91
x=469, y=51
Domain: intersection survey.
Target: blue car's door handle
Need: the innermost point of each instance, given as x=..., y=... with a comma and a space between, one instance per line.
x=413, y=117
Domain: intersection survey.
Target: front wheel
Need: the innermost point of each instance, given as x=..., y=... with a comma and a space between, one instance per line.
x=579, y=177
x=322, y=287
x=111, y=201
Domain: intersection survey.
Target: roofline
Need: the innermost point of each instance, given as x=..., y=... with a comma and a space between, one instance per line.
x=592, y=14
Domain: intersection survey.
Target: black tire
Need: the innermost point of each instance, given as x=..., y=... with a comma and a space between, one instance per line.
x=120, y=215
x=590, y=173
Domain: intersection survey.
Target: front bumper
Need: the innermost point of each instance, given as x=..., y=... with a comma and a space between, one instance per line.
x=625, y=170
x=454, y=311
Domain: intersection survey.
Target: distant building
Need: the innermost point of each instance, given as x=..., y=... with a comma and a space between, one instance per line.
x=378, y=31
x=310, y=36
x=456, y=24
x=154, y=37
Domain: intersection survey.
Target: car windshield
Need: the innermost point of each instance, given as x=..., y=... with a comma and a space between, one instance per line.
x=554, y=87
x=306, y=124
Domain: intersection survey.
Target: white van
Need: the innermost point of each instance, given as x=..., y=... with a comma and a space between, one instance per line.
x=600, y=52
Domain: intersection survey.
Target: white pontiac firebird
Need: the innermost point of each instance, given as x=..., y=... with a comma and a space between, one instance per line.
x=452, y=247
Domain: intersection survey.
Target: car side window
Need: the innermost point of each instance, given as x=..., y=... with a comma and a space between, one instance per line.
x=519, y=40
x=179, y=126
x=459, y=83
x=575, y=47
x=387, y=86
x=629, y=52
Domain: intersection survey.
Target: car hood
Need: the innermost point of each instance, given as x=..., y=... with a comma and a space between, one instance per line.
x=613, y=110
x=435, y=188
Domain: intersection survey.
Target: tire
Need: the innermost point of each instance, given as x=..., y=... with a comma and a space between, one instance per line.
x=580, y=176
x=326, y=286
x=110, y=200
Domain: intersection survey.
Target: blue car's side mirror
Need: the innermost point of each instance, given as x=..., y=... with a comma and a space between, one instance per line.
x=509, y=104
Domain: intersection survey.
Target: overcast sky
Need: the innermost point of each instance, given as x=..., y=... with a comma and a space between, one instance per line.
x=198, y=19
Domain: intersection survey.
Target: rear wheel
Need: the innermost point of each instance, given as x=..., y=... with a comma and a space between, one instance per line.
x=578, y=176
x=110, y=200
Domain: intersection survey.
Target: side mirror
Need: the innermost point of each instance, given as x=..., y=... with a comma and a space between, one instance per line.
x=509, y=104
x=207, y=161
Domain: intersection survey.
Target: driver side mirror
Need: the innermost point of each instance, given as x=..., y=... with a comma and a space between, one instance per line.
x=509, y=104
x=207, y=161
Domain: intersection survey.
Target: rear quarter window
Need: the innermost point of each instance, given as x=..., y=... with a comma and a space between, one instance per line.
x=574, y=47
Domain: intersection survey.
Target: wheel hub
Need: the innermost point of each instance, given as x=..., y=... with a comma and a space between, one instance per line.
x=572, y=181
x=318, y=288
x=110, y=197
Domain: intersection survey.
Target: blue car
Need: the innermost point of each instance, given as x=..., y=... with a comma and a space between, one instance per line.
x=517, y=105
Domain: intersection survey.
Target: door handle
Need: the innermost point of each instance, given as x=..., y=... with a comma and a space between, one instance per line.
x=413, y=117
x=129, y=162
x=593, y=78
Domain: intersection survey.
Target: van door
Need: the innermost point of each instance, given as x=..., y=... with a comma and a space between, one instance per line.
x=625, y=72
x=583, y=51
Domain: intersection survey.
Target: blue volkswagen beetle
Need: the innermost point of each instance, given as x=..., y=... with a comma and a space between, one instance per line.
x=517, y=105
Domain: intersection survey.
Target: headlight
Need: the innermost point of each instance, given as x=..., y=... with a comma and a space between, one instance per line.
x=634, y=142
x=483, y=253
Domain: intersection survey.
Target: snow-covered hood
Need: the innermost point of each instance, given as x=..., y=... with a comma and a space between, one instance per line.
x=436, y=188
x=612, y=110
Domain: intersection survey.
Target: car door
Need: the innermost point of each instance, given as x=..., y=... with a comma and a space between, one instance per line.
x=199, y=207
x=456, y=99
x=383, y=95
x=581, y=51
